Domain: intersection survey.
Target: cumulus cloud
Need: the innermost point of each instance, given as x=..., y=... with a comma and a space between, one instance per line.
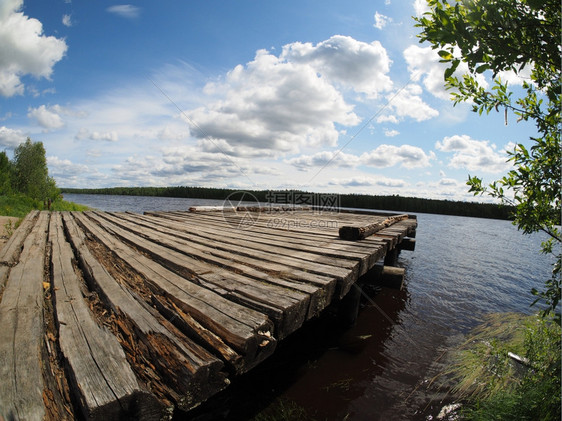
x=125, y=10
x=518, y=78
x=67, y=20
x=391, y=133
x=421, y=6
x=279, y=104
x=383, y=156
x=407, y=156
x=357, y=65
x=69, y=174
x=474, y=155
x=47, y=117
x=381, y=20
x=110, y=136
x=11, y=138
x=325, y=158
x=186, y=165
x=24, y=49
x=58, y=167
x=423, y=64
x=407, y=103
x=366, y=181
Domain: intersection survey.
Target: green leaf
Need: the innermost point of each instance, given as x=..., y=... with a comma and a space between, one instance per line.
x=482, y=68
x=445, y=54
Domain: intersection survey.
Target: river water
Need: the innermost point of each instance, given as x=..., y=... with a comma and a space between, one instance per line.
x=382, y=368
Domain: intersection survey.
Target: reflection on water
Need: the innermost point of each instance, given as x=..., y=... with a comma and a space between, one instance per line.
x=380, y=368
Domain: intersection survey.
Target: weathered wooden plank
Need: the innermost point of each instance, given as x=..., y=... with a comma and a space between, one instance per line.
x=243, y=329
x=103, y=381
x=238, y=284
x=264, y=241
x=330, y=243
x=22, y=332
x=360, y=232
x=339, y=250
x=247, y=242
x=10, y=252
x=289, y=270
x=185, y=370
x=368, y=251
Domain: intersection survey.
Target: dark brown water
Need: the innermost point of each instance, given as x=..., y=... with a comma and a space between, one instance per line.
x=383, y=367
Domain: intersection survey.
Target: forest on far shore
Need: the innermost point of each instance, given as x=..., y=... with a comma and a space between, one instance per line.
x=322, y=200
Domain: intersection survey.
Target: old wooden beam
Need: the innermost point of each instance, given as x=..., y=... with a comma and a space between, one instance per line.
x=183, y=370
x=228, y=328
x=103, y=382
x=354, y=233
x=22, y=332
x=10, y=252
x=240, y=283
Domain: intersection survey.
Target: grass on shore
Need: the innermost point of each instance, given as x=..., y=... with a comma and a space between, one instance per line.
x=496, y=386
x=19, y=205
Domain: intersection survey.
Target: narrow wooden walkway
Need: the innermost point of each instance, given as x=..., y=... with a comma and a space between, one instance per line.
x=121, y=314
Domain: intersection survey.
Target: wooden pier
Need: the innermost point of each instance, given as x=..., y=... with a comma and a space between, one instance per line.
x=109, y=315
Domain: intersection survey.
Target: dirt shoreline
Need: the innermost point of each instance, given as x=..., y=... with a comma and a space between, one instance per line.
x=4, y=228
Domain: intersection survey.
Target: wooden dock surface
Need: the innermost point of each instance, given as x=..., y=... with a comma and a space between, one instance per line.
x=122, y=314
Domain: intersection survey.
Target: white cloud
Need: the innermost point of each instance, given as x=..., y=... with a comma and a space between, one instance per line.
x=513, y=78
x=24, y=49
x=391, y=133
x=450, y=182
x=10, y=138
x=369, y=181
x=474, y=155
x=421, y=6
x=423, y=63
x=381, y=20
x=69, y=174
x=357, y=65
x=110, y=136
x=171, y=133
x=279, y=104
x=387, y=118
x=272, y=104
x=407, y=156
x=185, y=165
x=125, y=10
x=383, y=156
x=48, y=118
x=67, y=20
x=324, y=159
x=409, y=103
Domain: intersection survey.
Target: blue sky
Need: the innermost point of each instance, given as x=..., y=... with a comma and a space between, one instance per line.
x=324, y=96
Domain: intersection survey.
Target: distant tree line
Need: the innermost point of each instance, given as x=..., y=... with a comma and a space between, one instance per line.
x=27, y=174
x=362, y=201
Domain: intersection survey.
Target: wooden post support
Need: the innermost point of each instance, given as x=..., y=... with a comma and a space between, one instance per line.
x=349, y=305
x=391, y=257
x=392, y=277
x=388, y=276
x=407, y=244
